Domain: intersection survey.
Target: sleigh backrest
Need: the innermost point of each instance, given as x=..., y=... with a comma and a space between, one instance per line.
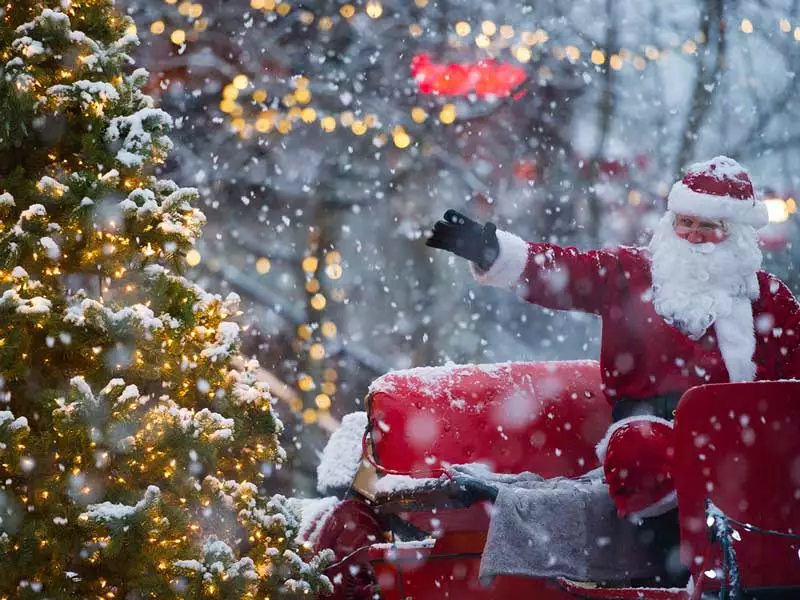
x=738, y=445
x=543, y=417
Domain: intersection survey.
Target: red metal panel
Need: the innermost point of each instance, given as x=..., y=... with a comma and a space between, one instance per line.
x=474, y=518
x=450, y=570
x=352, y=526
x=739, y=446
x=578, y=590
x=542, y=417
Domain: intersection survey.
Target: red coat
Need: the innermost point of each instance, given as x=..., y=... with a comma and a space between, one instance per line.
x=641, y=355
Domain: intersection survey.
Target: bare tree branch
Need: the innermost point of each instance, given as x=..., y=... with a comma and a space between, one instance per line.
x=776, y=105
x=769, y=146
x=604, y=116
x=712, y=25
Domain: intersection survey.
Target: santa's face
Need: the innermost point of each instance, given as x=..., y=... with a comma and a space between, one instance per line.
x=696, y=230
x=695, y=282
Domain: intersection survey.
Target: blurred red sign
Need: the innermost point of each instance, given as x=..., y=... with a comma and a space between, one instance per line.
x=485, y=78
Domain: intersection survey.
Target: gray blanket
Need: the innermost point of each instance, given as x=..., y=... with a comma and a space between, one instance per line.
x=561, y=528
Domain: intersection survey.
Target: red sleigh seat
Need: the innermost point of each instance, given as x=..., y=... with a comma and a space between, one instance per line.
x=542, y=417
x=739, y=447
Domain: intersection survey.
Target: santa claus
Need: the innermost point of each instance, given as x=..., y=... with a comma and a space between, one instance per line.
x=694, y=307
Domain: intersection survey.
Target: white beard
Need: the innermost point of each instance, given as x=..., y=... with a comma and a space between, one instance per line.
x=696, y=286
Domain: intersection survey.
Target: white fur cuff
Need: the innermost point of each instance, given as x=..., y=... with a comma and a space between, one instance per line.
x=602, y=446
x=510, y=264
x=685, y=201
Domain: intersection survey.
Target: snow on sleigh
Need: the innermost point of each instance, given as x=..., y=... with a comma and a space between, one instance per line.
x=399, y=534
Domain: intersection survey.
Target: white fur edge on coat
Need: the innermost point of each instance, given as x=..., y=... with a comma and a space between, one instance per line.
x=509, y=265
x=666, y=504
x=736, y=339
x=602, y=446
x=685, y=201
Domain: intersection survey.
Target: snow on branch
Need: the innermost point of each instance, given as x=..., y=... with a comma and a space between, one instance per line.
x=218, y=561
x=137, y=136
x=109, y=512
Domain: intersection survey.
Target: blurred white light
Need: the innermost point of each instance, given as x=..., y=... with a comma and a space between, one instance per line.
x=777, y=210
x=193, y=258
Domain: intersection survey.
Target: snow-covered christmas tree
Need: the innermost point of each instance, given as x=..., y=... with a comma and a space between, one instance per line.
x=132, y=451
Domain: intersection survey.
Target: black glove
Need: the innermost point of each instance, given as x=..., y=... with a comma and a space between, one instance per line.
x=469, y=490
x=466, y=238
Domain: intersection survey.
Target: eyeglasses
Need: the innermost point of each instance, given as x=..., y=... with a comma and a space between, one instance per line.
x=686, y=225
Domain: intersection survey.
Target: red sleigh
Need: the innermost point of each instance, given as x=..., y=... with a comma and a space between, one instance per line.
x=738, y=482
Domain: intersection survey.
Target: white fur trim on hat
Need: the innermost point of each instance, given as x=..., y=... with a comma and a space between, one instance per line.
x=509, y=265
x=685, y=201
x=602, y=446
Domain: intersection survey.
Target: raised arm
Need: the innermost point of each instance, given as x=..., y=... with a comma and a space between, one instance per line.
x=552, y=276
x=545, y=274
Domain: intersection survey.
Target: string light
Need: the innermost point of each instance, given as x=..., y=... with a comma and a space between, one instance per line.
x=523, y=54
x=328, y=124
x=572, y=53
x=323, y=401
x=359, y=127
x=193, y=258
x=263, y=265
x=483, y=41
x=310, y=264
x=598, y=57
x=334, y=271
x=305, y=383
x=448, y=114
x=318, y=301
x=178, y=37
x=401, y=138
x=374, y=9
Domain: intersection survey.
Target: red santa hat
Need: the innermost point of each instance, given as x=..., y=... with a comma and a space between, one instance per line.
x=637, y=458
x=718, y=189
